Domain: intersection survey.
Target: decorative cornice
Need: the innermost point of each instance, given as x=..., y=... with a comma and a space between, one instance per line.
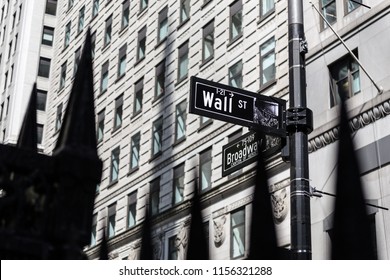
x=359, y=121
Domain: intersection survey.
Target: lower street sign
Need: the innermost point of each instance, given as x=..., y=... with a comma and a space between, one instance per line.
x=244, y=150
x=234, y=105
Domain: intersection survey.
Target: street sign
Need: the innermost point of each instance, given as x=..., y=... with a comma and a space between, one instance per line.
x=237, y=106
x=244, y=150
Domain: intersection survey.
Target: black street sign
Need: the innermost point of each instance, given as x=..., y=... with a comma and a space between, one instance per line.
x=244, y=150
x=234, y=105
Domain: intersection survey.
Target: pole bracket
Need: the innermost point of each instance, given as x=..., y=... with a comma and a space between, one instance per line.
x=299, y=119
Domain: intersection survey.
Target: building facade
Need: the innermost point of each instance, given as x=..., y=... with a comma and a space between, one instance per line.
x=26, y=36
x=153, y=150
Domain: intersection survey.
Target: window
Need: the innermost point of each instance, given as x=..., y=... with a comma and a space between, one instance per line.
x=184, y=10
x=267, y=62
x=183, y=62
x=237, y=240
x=266, y=7
x=118, y=112
x=172, y=248
x=9, y=49
x=328, y=9
x=58, y=117
x=114, y=172
x=47, y=36
x=180, y=123
x=178, y=184
x=111, y=215
x=125, y=14
x=11, y=77
x=93, y=230
x=135, y=151
x=51, y=7
x=104, y=78
x=154, y=197
x=44, y=67
x=41, y=100
x=5, y=80
x=39, y=133
x=235, y=75
x=1, y=111
x=162, y=24
x=122, y=60
x=141, y=46
x=345, y=79
x=93, y=45
x=204, y=121
x=70, y=4
x=160, y=79
x=143, y=5
x=95, y=8
x=157, y=137
x=208, y=42
x=100, y=126
x=205, y=169
x=138, y=94
x=108, y=31
x=235, y=20
x=131, y=209
x=16, y=42
x=77, y=57
x=351, y=5
x=63, y=75
x=13, y=20
x=80, y=26
x=67, y=34
x=20, y=12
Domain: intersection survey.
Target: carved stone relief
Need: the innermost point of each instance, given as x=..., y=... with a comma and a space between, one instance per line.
x=219, y=230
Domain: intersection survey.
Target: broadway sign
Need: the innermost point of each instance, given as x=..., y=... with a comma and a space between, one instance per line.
x=234, y=105
x=244, y=150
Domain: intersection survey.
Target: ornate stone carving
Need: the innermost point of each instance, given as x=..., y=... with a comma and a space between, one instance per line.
x=363, y=119
x=181, y=243
x=280, y=205
x=219, y=231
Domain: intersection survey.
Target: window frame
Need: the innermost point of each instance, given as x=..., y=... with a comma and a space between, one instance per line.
x=44, y=68
x=104, y=77
x=64, y=67
x=125, y=17
x=264, y=14
x=81, y=21
x=68, y=28
x=111, y=220
x=118, y=113
x=233, y=75
x=178, y=184
x=58, y=123
x=135, y=149
x=157, y=129
x=205, y=158
x=107, y=32
x=122, y=61
x=160, y=80
x=262, y=59
x=183, y=55
x=114, y=160
x=100, y=126
x=138, y=97
x=232, y=228
x=154, y=196
x=323, y=9
x=185, y=6
x=45, y=41
x=345, y=61
x=179, y=112
x=162, y=24
x=207, y=41
x=235, y=9
x=141, y=44
x=131, y=209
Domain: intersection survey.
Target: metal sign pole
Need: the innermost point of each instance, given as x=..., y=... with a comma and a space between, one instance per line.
x=299, y=125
